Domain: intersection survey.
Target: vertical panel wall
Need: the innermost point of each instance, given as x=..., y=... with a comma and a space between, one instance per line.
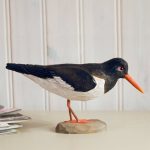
x=74, y=31
x=136, y=49
x=99, y=45
x=62, y=29
x=26, y=38
x=3, y=54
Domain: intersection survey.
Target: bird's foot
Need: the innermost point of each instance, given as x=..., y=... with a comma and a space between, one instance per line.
x=72, y=114
x=78, y=121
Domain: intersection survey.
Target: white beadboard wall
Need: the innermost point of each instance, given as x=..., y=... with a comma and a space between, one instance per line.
x=74, y=31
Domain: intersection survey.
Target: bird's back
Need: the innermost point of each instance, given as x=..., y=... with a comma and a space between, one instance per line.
x=71, y=81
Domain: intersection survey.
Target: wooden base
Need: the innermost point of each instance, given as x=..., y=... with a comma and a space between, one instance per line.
x=91, y=126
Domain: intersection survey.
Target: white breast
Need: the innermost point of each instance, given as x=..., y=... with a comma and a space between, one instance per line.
x=61, y=88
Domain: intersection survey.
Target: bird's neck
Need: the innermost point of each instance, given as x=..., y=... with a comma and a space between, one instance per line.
x=100, y=71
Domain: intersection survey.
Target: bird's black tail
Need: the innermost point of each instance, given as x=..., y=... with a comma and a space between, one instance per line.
x=21, y=68
x=36, y=70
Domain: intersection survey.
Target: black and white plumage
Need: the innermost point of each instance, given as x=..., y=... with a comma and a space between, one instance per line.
x=69, y=81
x=75, y=81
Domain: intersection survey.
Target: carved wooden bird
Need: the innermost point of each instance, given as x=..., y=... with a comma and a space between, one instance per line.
x=80, y=82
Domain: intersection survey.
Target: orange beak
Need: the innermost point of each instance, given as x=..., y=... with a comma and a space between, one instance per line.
x=130, y=79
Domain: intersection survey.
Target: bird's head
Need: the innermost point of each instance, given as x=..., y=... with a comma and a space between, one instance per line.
x=118, y=68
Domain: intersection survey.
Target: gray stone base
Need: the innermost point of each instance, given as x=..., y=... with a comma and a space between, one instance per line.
x=94, y=125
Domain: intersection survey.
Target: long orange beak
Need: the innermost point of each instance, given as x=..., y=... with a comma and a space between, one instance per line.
x=130, y=79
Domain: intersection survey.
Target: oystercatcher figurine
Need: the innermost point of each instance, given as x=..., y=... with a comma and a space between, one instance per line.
x=77, y=81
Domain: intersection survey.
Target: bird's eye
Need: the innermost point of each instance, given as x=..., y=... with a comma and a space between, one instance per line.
x=120, y=68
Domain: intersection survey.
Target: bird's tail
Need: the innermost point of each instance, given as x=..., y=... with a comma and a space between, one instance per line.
x=21, y=68
x=36, y=70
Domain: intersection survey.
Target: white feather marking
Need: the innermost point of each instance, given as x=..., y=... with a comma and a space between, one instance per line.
x=63, y=83
x=61, y=88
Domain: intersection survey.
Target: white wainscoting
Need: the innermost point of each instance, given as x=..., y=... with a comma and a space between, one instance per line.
x=74, y=31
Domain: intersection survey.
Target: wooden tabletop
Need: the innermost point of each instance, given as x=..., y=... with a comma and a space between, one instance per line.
x=125, y=131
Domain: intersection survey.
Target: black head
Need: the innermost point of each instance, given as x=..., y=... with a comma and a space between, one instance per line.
x=116, y=68
x=113, y=70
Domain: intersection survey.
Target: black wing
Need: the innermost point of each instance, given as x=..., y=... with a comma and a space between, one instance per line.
x=75, y=76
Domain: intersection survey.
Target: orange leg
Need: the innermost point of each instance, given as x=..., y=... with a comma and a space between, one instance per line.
x=71, y=112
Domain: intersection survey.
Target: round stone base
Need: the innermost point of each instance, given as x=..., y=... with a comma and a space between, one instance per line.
x=91, y=126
